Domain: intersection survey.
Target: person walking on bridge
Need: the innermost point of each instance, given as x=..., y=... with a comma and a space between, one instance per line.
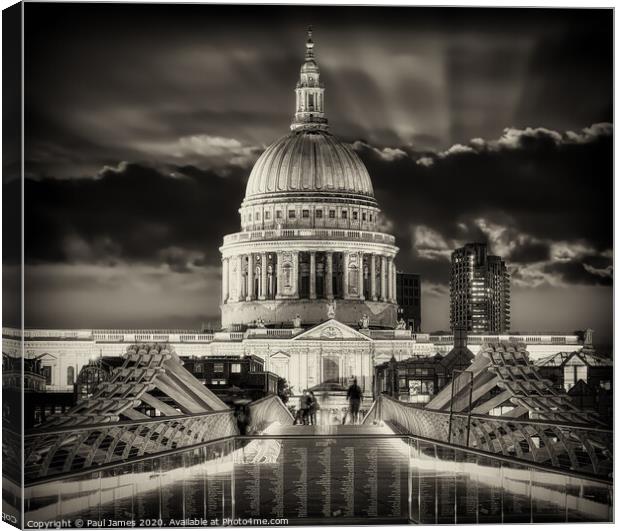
x=355, y=397
x=302, y=412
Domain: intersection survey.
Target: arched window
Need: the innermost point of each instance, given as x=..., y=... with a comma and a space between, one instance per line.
x=70, y=375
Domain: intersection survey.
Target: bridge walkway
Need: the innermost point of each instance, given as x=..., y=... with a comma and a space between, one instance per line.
x=327, y=430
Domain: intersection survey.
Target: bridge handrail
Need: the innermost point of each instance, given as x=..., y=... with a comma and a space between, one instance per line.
x=512, y=460
x=459, y=414
x=81, y=447
x=571, y=446
x=35, y=432
x=158, y=434
x=113, y=464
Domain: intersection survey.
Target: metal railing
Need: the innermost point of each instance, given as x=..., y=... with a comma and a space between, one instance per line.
x=55, y=451
x=330, y=479
x=49, y=452
x=575, y=447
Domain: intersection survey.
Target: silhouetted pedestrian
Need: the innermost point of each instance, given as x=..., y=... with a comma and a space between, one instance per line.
x=355, y=397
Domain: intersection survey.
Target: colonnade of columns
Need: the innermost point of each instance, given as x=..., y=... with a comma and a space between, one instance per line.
x=276, y=275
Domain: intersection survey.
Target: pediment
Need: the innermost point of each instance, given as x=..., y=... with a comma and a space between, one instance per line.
x=280, y=355
x=331, y=330
x=46, y=356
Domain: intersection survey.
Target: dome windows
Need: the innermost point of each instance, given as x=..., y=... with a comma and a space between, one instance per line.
x=309, y=214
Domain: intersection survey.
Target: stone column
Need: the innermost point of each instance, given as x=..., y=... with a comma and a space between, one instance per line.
x=393, y=280
x=373, y=277
x=329, y=278
x=263, y=277
x=250, y=287
x=360, y=279
x=394, y=295
x=296, y=275
x=312, y=275
x=388, y=279
x=224, y=280
x=278, y=275
x=383, y=279
x=239, y=277
x=345, y=276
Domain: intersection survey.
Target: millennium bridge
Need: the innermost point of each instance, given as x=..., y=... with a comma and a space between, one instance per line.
x=105, y=461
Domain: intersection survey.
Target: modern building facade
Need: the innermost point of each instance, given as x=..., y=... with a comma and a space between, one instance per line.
x=409, y=299
x=311, y=232
x=479, y=291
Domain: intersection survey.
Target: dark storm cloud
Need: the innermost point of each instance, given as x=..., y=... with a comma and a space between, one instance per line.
x=463, y=117
x=116, y=82
x=132, y=213
x=577, y=273
x=563, y=51
x=529, y=252
x=531, y=194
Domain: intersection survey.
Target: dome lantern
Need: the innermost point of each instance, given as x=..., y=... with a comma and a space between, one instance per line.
x=309, y=45
x=309, y=101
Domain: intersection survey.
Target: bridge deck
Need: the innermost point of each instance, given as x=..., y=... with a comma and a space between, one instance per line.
x=329, y=430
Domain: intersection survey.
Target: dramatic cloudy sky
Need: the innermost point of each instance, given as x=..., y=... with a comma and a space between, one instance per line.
x=143, y=123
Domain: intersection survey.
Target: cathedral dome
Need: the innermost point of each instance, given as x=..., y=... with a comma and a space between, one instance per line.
x=311, y=230
x=309, y=161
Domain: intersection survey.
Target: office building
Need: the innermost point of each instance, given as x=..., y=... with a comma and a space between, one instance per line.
x=479, y=290
x=409, y=297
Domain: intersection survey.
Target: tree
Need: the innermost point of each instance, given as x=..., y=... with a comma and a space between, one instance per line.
x=284, y=391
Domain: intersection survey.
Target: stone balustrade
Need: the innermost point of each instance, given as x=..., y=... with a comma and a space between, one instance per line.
x=309, y=234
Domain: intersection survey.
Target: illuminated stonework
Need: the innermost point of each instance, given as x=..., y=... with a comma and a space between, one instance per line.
x=311, y=229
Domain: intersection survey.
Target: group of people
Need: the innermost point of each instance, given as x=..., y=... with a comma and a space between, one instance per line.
x=308, y=406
